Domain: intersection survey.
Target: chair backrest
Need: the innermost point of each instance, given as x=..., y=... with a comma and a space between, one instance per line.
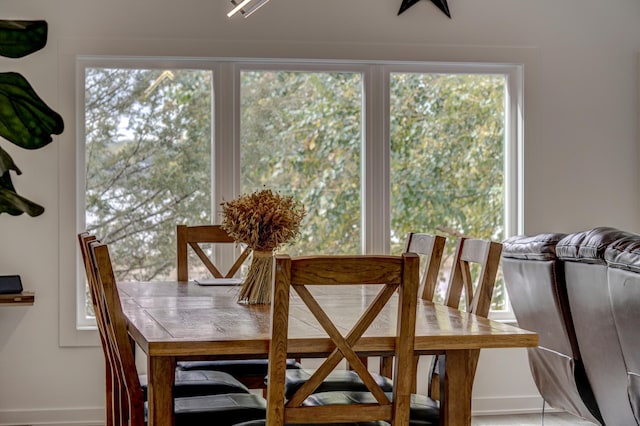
x=193, y=236
x=479, y=291
x=623, y=260
x=121, y=350
x=396, y=275
x=585, y=271
x=114, y=403
x=84, y=239
x=538, y=293
x=432, y=248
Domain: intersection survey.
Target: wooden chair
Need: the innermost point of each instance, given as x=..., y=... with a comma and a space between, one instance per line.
x=112, y=389
x=187, y=383
x=478, y=292
x=424, y=410
x=396, y=274
x=250, y=372
x=193, y=236
x=430, y=248
x=129, y=409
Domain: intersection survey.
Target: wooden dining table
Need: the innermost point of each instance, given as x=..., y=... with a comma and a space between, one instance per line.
x=174, y=321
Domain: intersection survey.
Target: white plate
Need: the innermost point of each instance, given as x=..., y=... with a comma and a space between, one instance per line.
x=219, y=281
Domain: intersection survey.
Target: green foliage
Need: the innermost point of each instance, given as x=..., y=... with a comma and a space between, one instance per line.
x=148, y=157
x=447, y=143
x=301, y=135
x=25, y=119
x=148, y=150
x=447, y=159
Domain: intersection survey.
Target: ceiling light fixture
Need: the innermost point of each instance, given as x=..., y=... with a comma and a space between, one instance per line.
x=246, y=7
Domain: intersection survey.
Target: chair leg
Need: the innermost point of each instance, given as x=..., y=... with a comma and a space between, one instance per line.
x=363, y=359
x=436, y=372
x=386, y=366
x=414, y=375
x=109, y=388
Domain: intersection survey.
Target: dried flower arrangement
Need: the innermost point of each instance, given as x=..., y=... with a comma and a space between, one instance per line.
x=263, y=220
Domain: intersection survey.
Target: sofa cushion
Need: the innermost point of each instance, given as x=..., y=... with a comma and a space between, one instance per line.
x=536, y=247
x=588, y=246
x=624, y=254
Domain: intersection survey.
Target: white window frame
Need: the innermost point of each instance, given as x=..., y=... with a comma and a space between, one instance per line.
x=376, y=144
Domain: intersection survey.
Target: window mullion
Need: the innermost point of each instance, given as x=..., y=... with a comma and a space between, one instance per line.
x=376, y=201
x=226, y=161
x=226, y=149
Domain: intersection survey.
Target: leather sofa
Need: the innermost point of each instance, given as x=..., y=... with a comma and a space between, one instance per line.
x=578, y=291
x=535, y=282
x=588, y=292
x=623, y=262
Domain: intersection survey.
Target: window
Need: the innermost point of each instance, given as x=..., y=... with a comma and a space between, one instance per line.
x=301, y=134
x=373, y=150
x=447, y=134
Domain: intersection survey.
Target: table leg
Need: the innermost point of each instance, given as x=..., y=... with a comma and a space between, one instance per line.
x=161, y=375
x=455, y=396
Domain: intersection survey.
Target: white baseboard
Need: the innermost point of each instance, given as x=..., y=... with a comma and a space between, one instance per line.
x=496, y=406
x=95, y=416
x=92, y=416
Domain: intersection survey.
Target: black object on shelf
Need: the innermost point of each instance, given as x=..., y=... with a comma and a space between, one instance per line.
x=10, y=284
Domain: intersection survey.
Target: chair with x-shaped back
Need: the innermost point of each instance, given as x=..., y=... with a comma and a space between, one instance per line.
x=485, y=255
x=194, y=236
x=251, y=372
x=395, y=275
x=430, y=249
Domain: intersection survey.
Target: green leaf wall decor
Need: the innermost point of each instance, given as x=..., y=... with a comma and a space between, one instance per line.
x=21, y=38
x=25, y=119
x=14, y=204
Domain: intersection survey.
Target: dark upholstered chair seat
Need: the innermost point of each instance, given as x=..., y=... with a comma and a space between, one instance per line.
x=201, y=382
x=218, y=410
x=264, y=422
x=237, y=368
x=338, y=380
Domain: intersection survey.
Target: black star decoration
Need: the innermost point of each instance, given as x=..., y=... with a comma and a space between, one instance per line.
x=442, y=5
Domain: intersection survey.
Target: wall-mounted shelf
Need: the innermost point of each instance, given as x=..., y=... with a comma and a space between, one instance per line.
x=17, y=299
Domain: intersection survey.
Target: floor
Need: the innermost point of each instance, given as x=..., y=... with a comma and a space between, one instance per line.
x=550, y=419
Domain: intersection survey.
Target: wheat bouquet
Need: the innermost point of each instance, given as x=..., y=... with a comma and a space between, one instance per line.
x=263, y=220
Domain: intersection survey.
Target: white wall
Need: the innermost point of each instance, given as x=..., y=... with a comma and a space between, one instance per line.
x=581, y=150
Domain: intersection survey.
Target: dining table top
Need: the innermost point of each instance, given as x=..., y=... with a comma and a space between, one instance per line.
x=187, y=319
